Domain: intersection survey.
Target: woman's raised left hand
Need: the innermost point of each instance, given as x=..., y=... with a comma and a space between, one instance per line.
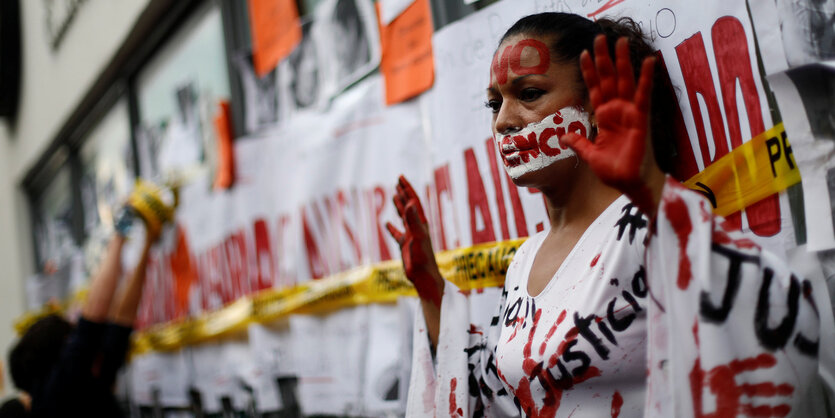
x=618, y=154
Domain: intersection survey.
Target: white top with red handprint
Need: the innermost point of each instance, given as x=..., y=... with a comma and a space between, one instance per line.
x=577, y=348
x=722, y=328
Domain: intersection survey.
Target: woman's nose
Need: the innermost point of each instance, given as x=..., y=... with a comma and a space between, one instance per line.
x=507, y=120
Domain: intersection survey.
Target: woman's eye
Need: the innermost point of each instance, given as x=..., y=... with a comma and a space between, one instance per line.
x=493, y=105
x=530, y=94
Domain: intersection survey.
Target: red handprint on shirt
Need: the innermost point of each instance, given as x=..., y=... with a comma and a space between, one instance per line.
x=617, y=154
x=415, y=244
x=721, y=380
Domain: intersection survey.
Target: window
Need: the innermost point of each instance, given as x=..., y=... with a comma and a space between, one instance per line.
x=178, y=93
x=107, y=171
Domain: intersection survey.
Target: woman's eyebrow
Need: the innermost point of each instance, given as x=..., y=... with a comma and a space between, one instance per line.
x=519, y=79
x=515, y=81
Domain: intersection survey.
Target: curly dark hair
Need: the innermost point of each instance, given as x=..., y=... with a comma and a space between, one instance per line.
x=37, y=352
x=570, y=34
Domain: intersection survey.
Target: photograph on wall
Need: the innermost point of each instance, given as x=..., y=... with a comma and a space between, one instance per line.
x=260, y=95
x=350, y=39
x=302, y=84
x=805, y=95
x=808, y=30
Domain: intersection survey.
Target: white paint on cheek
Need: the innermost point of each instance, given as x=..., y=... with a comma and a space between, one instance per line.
x=537, y=146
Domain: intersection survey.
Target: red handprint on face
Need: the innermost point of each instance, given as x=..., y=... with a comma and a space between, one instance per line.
x=415, y=244
x=721, y=380
x=617, y=154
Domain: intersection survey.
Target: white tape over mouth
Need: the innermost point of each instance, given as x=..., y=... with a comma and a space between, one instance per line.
x=537, y=146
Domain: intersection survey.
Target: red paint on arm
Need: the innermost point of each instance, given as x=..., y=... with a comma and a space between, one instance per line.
x=594, y=260
x=415, y=245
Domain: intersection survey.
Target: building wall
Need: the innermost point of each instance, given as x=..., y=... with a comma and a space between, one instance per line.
x=53, y=82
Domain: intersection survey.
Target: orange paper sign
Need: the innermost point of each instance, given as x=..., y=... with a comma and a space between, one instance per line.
x=407, y=63
x=225, y=175
x=276, y=30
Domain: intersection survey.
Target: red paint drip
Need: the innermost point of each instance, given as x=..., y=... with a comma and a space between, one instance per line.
x=594, y=260
x=453, y=404
x=617, y=402
x=696, y=331
x=679, y=218
x=474, y=330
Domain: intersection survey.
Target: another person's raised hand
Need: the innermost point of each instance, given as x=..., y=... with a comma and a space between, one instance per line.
x=619, y=154
x=416, y=245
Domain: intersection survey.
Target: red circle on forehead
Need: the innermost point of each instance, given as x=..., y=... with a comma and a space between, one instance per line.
x=516, y=57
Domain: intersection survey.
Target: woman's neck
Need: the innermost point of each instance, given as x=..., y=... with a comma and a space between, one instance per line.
x=578, y=203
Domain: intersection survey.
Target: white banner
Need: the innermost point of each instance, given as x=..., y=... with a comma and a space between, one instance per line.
x=313, y=193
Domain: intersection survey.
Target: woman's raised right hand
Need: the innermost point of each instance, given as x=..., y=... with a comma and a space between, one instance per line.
x=416, y=245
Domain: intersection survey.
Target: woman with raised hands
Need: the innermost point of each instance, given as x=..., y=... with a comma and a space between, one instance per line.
x=708, y=325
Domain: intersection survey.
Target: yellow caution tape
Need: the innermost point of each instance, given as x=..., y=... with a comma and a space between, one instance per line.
x=476, y=267
x=753, y=171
